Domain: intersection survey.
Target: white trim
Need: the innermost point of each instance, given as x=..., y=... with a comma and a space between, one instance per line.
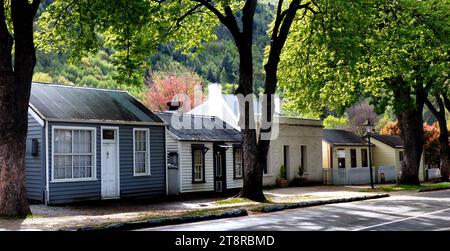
x=173, y=135
x=94, y=154
x=116, y=141
x=148, y=172
x=180, y=168
x=166, y=154
x=35, y=116
x=47, y=178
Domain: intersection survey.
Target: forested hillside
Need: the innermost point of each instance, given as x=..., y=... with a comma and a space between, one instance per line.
x=217, y=62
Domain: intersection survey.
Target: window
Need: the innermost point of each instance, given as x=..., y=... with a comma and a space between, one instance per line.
x=109, y=134
x=286, y=160
x=73, y=154
x=353, y=158
x=141, y=152
x=198, y=164
x=341, y=158
x=364, y=158
x=401, y=156
x=172, y=160
x=238, y=163
x=303, y=158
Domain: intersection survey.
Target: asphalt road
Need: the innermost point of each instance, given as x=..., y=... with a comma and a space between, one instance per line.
x=421, y=211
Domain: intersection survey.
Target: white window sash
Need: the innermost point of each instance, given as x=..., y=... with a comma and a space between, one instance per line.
x=198, y=165
x=146, y=152
x=238, y=163
x=92, y=154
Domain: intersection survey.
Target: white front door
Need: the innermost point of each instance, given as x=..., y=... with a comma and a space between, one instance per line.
x=110, y=171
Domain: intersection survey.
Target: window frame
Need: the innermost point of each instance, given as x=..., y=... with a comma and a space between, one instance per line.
x=304, y=157
x=235, y=149
x=148, y=169
x=94, y=153
x=198, y=147
x=364, y=157
x=353, y=157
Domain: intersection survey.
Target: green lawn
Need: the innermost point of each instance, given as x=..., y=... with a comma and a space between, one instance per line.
x=232, y=201
x=395, y=188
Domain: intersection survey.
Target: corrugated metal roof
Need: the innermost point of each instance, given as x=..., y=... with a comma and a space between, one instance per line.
x=199, y=128
x=342, y=137
x=394, y=141
x=59, y=102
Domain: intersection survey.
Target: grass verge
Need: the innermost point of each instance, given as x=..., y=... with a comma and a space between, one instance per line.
x=396, y=188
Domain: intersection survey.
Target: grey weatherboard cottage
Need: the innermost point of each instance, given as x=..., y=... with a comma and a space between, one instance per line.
x=90, y=144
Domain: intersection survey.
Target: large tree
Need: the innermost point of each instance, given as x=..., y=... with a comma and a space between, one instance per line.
x=388, y=51
x=133, y=27
x=17, y=61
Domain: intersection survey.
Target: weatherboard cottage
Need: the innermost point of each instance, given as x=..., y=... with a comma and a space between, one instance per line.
x=204, y=154
x=91, y=144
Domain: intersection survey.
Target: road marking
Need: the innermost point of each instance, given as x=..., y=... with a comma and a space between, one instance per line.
x=400, y=220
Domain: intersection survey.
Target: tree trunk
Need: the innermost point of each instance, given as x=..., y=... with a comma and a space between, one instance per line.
x=13, y=131
x=15, y=87
x=444, y=148
x=409, y=115
x=254, y=161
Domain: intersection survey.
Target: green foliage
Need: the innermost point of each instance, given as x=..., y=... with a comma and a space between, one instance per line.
x=133, y=29
x=366, y=48
x=42, y=77
x=282, y=173
x=138, y=40
x=301, y=171
x=332, y=122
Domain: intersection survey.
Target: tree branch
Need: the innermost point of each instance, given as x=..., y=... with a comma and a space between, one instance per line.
x=248, y=13
x=433, y=109
x=228, y=19
x=446, y=102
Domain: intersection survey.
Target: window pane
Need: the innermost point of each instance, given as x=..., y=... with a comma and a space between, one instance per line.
x=63, y=141
x=238, y=162
x=109, y=134
x=141, y=153
x=198, y=165
x=353, y=157
x=69, y=144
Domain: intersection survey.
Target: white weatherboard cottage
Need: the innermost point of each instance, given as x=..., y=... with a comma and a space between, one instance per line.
x=345, y=158
x=298, y=142
x=204, y=154
x=388, y=151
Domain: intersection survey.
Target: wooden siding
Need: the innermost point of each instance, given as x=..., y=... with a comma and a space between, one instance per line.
x=35, y=165
x=185, y=167
x=130, y=186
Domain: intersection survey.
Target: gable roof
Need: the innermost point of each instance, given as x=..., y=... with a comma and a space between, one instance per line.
x=199, y=128
x=342, y=138
x=80, y=104
x=394, y=141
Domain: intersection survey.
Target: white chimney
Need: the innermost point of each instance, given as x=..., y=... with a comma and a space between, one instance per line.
x=214, y=91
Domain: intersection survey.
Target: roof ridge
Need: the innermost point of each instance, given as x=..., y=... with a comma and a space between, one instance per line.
x=76, y=87
x=188, y=114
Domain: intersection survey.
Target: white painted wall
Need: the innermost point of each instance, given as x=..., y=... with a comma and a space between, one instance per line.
x=294, y=136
